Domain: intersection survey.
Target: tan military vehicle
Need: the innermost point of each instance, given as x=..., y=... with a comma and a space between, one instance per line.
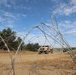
x=45, y=49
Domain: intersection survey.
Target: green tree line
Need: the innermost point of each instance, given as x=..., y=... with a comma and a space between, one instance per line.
x=13, y=41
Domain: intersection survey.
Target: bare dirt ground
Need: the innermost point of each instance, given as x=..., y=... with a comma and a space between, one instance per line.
x=32, y=63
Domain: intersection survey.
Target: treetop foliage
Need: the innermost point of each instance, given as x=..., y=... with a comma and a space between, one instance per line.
x=9, y=37
x=32, y=47
x=13, y=41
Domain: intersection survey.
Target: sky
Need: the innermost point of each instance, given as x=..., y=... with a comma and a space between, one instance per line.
x=20, y=15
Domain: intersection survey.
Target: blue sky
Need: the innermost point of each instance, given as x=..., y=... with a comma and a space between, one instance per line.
x=20, y=15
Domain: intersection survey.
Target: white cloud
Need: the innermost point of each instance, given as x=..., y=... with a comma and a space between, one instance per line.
x=35, y=38
x=73, y=1
x=5, y=3
x=2, y=19
x=13, y=4
x=1, y=28
x=68, y=27
x=59, y=9
x=10, y=15
x=39, y=39
x=65, y=9
x=73, y=31
x=24, y=15
x=67, y=24
x=8, y=19
x=23, y=7
x=69, y=10
x=10, y=25
x=21, y=34
x=6, y=22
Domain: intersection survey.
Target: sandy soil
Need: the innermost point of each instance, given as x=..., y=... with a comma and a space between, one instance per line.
x=32, y=63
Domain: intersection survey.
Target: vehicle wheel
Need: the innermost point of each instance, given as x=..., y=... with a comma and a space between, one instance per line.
x=40, y=52
x=46, y=52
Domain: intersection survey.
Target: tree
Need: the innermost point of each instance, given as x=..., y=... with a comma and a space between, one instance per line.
x=13, y=41
x=32, y=47
x=36, y=46
x=17, y=43
x=9, y=37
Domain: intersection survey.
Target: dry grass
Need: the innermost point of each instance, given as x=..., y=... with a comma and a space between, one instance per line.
x=32, y=63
